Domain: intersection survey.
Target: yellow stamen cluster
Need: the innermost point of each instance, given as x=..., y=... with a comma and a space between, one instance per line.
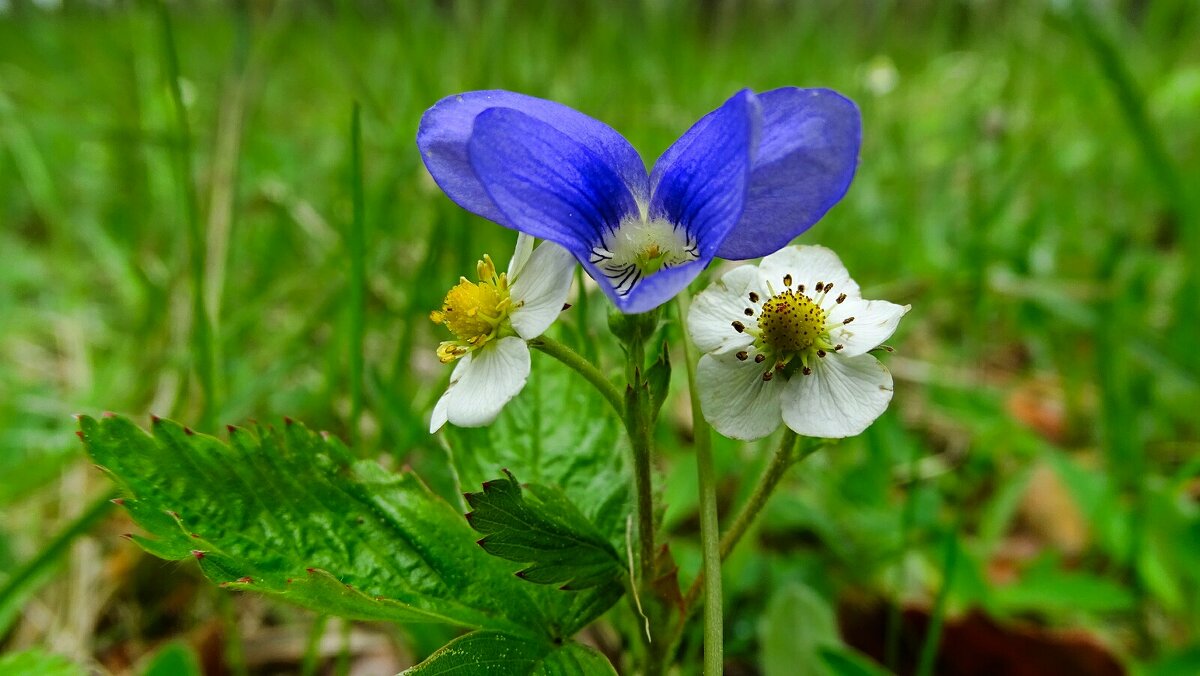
x=473, y=311
x=790, y=324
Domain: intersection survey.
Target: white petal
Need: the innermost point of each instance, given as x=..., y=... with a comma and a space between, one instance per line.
x=840, y=398
x=807, y=265
x=540, y=289
x=874, y=322
x=520, y=254
x=438, y=419
x=483, y=382
x=735, y=399
x=710, y=321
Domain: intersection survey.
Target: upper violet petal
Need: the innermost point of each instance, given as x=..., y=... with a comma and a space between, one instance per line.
x=700, y=182
x=445, y=131
x=804, y=163
x=546, y=183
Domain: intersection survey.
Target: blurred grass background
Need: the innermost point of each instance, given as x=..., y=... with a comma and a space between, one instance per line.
x=1027, y=184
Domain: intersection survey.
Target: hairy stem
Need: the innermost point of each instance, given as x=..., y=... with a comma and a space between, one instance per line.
x=710, y=535
x=784, y=458
x=583, y=367
x=637, y=423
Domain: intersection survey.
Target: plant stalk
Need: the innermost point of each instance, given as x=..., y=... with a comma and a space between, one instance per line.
x=583, y=367
x=710, y=534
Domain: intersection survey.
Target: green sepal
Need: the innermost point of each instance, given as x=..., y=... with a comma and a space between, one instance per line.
x=658, y=377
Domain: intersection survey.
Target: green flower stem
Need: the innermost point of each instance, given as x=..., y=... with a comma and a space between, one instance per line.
x=784, y=458
x=710, y=535
x=583, y=367
x=638, y=424
x=632, y=407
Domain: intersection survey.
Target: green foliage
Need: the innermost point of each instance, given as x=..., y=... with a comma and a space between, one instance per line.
x=36, y=662
x=1019, y=185
x=174, y=659
x=283, y=513
x=557, y=432
x=539, y=526
x=500, y=655
x=798, y=623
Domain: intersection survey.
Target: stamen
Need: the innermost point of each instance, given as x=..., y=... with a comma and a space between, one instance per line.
x=806, y=371
x=829, y=287
x=821, y=353
x=839, y=347
x=742, y=356
x=847, y=320
x=800, y=288
x=739, y=327
x=753, y=297
x=787, y=279
x=819, y=286
x=841, y=299
x=768, y=376
x=759, y=358
x=749, y=312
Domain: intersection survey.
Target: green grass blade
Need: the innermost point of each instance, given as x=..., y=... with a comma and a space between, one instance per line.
x=36, y=572
x=202, y=339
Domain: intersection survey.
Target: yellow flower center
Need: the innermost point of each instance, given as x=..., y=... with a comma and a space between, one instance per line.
x=790, y=322
x=473, y=311
x=470, y=309
x=792, y=329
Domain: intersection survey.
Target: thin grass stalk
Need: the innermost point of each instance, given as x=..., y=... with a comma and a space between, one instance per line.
x=202, y=339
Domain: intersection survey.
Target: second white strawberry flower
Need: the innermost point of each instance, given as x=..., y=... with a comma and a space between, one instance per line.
x=788, y=341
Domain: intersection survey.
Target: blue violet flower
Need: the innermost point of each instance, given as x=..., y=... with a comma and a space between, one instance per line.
x=741, y=183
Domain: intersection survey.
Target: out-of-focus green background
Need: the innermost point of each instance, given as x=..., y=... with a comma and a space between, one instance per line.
x=1027, y=183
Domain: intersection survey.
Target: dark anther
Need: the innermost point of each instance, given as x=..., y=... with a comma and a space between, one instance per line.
x=839, y=347
x=800, y=288
x=753, y=297
x=847, y=320
x=829, y=287
x=759, y=358
x=820, y=285
x=739, y=327
x=742, y=356
x=768, y=376
x=787, y=280
x=806, y=371
x=821, y=353
x=749, y=312
x=841, y=298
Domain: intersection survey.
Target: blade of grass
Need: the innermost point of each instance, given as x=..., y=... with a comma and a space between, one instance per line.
x=26, y=580
x=937, y=618
x=356, y=250
x=203, y=357
x=907, y=517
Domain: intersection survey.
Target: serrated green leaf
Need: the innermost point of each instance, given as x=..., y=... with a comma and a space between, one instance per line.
x=272, y=512
x=541, y=528
x=36, y=662
x=500, y=655
x=557, y=432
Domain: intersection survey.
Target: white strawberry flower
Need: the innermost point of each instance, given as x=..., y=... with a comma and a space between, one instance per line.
x=788, y=341
x=492, y=319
